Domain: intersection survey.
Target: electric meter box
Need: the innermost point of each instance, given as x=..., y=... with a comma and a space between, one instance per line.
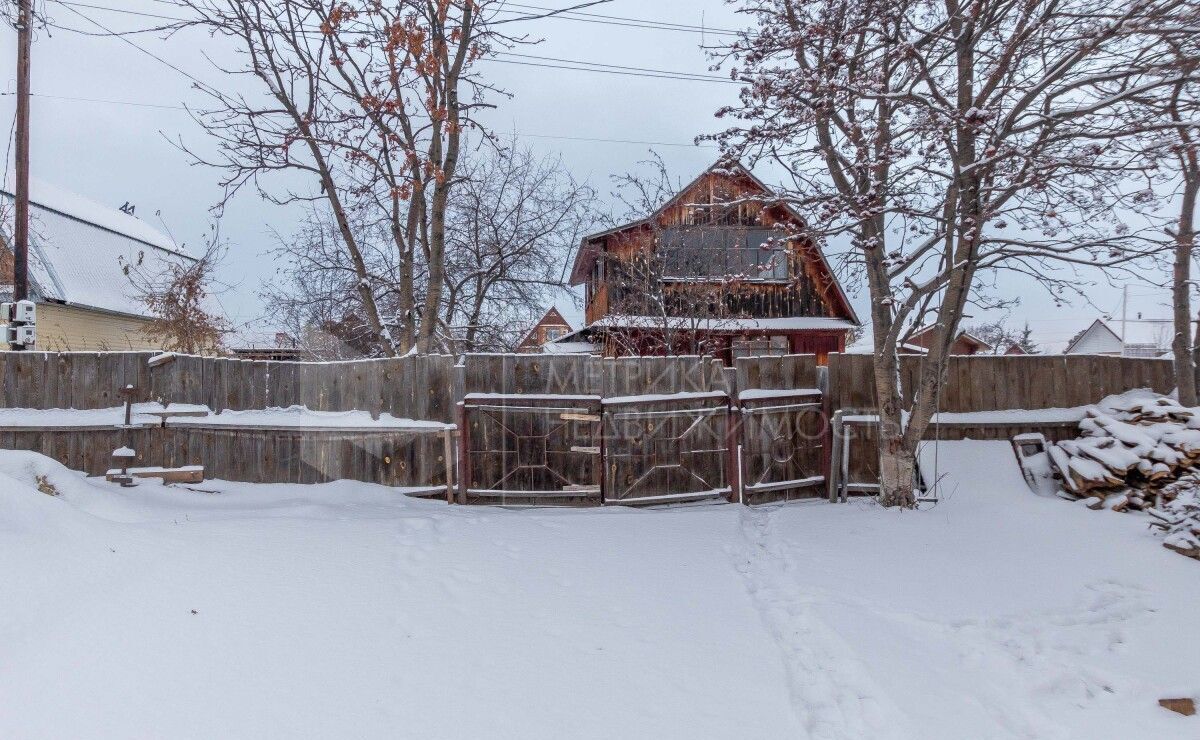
x=23, y=335
x=21, y=312
x=25, y=312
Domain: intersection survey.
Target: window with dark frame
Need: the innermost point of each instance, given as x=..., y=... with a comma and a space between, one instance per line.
x=690, y=253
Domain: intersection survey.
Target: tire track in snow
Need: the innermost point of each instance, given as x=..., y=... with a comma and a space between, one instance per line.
x=831, y=690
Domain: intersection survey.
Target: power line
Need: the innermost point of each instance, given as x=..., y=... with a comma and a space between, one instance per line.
x=614, y=141
x=690, y=75
x=517, y=134
x=103, y=100
x=578, y=15
x=576, y=65
x=147, y=52
x=649, y=73
x=557, y=13
x=140, y=13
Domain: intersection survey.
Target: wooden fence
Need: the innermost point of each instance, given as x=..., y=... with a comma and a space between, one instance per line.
x=589, y=375
x=990, y=383
x=432, y=387
x=415, y=387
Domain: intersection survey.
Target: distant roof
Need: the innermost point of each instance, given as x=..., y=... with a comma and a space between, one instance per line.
x=76, y=249
x=964, y=335
x=552, y=317
x=866, y=346
x=1151, y=336
x=569, y=348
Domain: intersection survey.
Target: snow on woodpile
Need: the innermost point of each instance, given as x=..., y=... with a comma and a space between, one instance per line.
x=1179, y=518
x=1138, y=451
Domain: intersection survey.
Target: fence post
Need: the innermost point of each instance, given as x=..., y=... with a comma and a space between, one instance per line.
x=733, y=456
x=464, y=453
x=835, y=456
x=448, y=453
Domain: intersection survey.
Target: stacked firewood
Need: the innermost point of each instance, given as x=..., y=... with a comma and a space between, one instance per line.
x=1131, y=448
x=1179, y=517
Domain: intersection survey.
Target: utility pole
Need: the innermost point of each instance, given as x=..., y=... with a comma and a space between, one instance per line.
x=21, y=227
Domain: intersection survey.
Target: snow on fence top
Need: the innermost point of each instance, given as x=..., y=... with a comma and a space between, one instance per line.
x=153, y=414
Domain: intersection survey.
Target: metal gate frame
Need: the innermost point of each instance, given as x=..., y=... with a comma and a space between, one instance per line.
x=570, y=408
x=699, y=406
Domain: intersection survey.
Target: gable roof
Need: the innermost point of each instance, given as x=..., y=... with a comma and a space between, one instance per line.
x=551, y=318
x=1140, y=335
x=587, y=252
x=76, y=250
x=584, y=256
x=1095, y=326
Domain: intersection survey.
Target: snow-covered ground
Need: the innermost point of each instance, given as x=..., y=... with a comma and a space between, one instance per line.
x=347, y=610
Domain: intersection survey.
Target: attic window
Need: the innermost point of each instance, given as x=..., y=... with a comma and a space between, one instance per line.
x=718, y=214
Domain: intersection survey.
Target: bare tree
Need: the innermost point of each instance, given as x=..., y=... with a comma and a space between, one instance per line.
x=370, y=99
x=178, y=293
x=948, y=140
x=315, y=294
x=511, y=223
x=1001, y=336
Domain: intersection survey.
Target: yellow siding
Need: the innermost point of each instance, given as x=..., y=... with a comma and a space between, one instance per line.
x=68, y=328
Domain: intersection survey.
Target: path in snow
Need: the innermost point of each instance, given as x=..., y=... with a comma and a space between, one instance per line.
x=832, y=692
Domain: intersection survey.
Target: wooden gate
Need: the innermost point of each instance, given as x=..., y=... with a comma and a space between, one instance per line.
x=530, y=447
x=783, y=438
x=665, y=448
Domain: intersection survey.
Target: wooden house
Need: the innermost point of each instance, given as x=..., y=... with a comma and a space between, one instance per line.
x=551, y=327
x=724, y=267
x=79, y=252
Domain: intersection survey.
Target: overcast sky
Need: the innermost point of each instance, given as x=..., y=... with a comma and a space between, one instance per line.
x=602, y=124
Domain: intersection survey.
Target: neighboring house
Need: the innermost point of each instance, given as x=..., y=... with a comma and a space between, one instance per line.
x=550, y=328
x=722, y=265
x=77, y=253
x=1015, y=349
x=250, y=345
x=1143, y=338
x=964, y=344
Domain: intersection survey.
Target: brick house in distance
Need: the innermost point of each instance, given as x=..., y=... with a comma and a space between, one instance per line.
x=550, y=328
x=723, y=268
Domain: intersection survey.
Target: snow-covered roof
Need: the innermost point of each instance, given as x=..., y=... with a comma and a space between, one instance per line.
x=76, y=250
x=866, y=346
x=1141, y=338
x=1151, y=332
x=568, y=348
